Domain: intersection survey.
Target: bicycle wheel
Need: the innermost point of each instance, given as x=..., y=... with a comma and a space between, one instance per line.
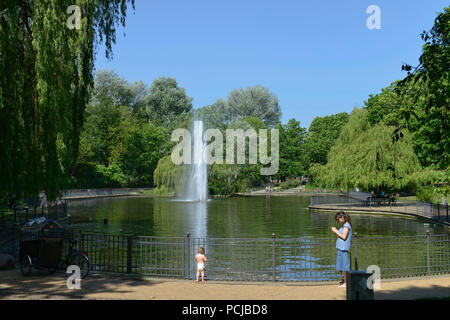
x=79, y=259
x=25, y=265
x=52, y=269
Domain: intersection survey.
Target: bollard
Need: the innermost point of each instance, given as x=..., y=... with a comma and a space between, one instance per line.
x=357, y=285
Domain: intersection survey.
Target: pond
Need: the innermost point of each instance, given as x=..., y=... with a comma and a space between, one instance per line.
x=235, y=217
x=237, y=235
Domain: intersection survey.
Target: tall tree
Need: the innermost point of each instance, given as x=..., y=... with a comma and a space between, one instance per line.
x=432, y=77
x=255, y=101
x=369, y=158
x=292, y=137
x=46, y=73
x=167, y=101
x=322, y=135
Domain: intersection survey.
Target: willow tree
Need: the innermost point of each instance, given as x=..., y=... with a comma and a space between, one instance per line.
x=47, y=51
x=168, y=177
x=369, y=157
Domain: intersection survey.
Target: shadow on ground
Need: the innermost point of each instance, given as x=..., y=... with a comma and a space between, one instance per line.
x=42, y=285
x=414, y=293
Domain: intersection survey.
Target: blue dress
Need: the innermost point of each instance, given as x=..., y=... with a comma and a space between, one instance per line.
x=343, y=248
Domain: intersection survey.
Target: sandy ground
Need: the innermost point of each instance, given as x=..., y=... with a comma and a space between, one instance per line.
x=41, y=285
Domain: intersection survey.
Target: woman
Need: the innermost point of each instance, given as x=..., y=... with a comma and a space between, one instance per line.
x=343, y=243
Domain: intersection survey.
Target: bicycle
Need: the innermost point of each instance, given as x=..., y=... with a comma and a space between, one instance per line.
x=78, y=258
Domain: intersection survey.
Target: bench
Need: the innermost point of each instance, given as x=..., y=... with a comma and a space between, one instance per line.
x=378, y=201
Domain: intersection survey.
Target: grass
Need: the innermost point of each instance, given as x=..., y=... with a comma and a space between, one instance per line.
x=414, y=198
x=156, y=193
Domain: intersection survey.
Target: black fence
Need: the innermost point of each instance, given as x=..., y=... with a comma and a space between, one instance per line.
x=434, y=211
x=251, y=259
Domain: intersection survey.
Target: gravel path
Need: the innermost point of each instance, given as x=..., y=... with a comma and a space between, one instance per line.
x=41, y=285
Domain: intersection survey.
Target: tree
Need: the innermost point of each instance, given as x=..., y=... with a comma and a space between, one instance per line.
x=147, y=144
x=291, y=137
x=255, y=101
x=118, y=148
x=432, y=76
x=46, y=73
x=322, y=135
x=110, y=88
x=167, y=101
x=214, y=116
x=168, y=176
x=370, y=158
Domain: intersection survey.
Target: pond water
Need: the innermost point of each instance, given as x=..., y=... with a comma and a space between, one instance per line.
x=235, y=217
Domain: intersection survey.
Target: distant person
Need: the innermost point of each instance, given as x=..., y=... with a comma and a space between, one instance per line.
x=343, y=243
x=201, y=259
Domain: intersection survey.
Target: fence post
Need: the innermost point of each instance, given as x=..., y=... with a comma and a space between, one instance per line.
x=80, y=241
x=273, y=258
x=356, y=251
x=188, y=254
x=183, y=255
x=439, y=211
x=428, y=251
x=129, y=254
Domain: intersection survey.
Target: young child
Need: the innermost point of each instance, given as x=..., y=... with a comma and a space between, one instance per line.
x=201, y=259
x=343, y=243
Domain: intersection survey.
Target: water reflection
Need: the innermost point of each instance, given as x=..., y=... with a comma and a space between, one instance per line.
x=236, y=233
x=237, y=217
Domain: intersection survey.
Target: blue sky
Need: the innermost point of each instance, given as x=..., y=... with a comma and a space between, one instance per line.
x=318, y=57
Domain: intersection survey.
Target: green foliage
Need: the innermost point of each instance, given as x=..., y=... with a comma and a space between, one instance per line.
x=168, y=176
x=367, y=157
x=429, y=87
x=45, y=78
x=167, y=101
x=425, y=195
x=257, y=102
x=322, y=135
x=292, y=136
x=117, y=137
x=146, y=146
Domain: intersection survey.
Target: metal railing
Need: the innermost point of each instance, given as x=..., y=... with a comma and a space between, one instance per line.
x=435, y=211
x=258, y=259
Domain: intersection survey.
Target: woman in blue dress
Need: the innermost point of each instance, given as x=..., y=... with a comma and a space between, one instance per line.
x=343, y=244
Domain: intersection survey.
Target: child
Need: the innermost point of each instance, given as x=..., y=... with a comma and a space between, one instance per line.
x=201, y=259
x=343, y=244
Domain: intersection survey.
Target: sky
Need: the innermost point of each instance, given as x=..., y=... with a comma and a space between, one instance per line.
x=318, y=57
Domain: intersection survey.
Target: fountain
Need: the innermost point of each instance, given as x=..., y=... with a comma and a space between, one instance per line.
x=196, y=186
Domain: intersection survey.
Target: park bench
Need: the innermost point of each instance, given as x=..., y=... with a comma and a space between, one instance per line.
x=377, y=201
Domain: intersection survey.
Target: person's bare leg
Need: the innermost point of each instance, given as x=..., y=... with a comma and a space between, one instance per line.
x=203, y=275
x=198, y=273
x=343, y=285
